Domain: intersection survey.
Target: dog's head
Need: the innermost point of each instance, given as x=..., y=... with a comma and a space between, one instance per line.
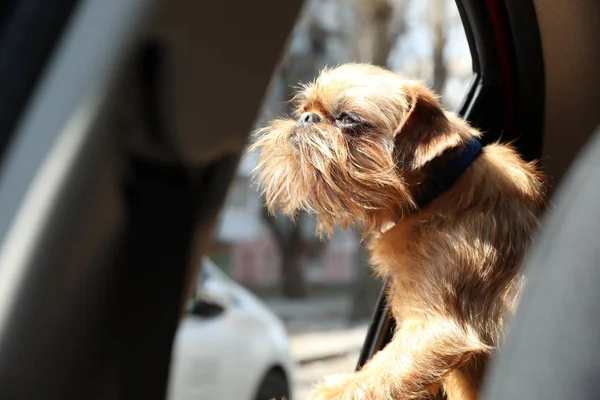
x=358, y=135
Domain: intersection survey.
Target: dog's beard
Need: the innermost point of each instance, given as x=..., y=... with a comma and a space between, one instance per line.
x=343, y=179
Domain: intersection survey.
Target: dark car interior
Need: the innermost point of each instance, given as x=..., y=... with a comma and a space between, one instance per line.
x=122, y=123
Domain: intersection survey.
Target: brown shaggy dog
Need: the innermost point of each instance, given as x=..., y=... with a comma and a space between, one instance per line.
x=361, y=150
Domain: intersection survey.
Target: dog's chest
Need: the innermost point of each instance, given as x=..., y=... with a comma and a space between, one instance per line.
x=392, y=256
x=389, y=253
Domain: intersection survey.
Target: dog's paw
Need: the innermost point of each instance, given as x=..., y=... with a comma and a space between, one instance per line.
x=343, y=387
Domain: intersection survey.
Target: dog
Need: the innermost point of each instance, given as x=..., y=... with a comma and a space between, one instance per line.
x=447, y=220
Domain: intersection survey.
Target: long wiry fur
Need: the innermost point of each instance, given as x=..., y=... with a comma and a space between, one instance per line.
x=454, y=264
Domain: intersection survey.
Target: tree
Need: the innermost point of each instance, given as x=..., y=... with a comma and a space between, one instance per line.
x=438, y=28
x=288, y=236
x=376, y=17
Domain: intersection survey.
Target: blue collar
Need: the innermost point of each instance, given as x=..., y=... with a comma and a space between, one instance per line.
x=443, y=177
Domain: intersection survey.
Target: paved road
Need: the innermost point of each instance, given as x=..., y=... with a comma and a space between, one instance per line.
x=321, y=339
x=324, y=353
x=310, y=315
x=309, y=374
x=318, y=345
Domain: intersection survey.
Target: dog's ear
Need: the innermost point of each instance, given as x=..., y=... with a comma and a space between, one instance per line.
x=425, y=132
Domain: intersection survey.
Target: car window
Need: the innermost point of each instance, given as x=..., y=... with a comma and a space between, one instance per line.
x=323, y=290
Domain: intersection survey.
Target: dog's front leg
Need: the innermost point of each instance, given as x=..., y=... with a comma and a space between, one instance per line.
x=411, y=366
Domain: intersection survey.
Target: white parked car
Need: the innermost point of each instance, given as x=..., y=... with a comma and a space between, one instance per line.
x=229, y=346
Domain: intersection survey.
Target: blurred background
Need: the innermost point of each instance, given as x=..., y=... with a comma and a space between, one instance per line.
x=121, y=126
x=323, y=291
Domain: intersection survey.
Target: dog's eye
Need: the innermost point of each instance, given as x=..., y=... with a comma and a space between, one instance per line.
x=346, y=120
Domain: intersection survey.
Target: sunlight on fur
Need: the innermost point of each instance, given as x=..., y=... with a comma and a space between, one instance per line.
x=362, y=143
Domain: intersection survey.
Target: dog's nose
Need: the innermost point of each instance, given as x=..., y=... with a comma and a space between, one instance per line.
x=308, y=118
